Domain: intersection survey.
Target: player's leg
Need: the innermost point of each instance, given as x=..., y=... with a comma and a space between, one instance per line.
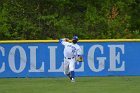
x=66, y=68
x=71, y=68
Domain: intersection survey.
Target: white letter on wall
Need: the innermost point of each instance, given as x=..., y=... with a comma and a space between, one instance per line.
x=22, y=61
x=100, y=59
x=33, y=67
x=115, y=58
x=3, y=64
x=53, y=60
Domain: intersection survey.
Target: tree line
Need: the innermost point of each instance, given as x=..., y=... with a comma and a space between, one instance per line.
x=55, y=19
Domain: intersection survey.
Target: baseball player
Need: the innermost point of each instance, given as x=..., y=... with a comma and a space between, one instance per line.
x=72, y=54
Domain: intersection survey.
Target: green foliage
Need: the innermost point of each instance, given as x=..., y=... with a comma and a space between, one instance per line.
x=54, y=19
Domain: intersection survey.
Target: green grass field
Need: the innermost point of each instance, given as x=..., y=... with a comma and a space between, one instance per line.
x=63, y=85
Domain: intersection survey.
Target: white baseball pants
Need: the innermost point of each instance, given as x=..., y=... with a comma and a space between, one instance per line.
x=69, y=65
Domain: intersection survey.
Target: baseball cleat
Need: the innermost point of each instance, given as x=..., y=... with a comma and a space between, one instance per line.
x=72, y=80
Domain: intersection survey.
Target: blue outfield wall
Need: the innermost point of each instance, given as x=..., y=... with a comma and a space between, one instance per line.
x=45, y=59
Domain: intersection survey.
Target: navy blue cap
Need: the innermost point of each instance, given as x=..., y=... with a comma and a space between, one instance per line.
x=75, y=37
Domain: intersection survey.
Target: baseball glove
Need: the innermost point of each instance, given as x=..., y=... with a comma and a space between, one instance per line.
x=79, y=59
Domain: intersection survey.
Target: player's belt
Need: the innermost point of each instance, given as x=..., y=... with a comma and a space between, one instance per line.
x=69, y=58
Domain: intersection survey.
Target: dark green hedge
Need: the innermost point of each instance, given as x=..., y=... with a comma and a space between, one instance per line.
x=54, y=19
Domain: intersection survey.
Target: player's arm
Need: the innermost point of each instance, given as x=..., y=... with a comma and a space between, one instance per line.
x=79, y=55
x=64, y=41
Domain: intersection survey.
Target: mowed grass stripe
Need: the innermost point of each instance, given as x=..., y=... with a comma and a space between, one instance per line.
x=125, y=84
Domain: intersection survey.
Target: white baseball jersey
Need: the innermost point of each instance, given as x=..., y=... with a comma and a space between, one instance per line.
x=71, y=50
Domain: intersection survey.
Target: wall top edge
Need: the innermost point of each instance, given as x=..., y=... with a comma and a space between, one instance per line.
x=49, y=41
